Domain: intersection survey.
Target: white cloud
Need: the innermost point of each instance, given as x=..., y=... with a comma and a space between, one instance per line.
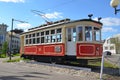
x=53, y=15
x=109, y=29
x=109, y=21
x=24, y=26
x=14, y=1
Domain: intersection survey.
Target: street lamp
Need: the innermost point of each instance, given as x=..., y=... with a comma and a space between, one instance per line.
x=114, y=4
x=12, y=35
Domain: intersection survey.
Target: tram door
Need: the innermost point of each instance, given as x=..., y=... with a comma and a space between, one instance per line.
x=71, y=41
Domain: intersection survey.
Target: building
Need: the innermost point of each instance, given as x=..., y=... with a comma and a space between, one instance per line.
x=112, y=44
x=15, y=45
x=3, y=32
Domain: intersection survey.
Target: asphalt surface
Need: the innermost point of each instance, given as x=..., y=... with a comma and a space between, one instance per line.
x=11, y=71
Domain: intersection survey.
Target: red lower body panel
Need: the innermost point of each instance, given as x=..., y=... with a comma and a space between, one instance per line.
x=89, y=50
x=47, y=50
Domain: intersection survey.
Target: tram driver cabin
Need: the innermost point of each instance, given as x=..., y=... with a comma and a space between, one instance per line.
x=78, y=40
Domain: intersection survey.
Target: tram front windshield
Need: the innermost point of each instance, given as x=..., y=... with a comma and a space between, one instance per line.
x=92, y=33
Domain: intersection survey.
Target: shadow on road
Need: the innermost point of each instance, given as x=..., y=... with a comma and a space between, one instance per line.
x=10, y=78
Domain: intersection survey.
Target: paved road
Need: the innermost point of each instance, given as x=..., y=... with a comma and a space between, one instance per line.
x=114, y=59
x=12, y=71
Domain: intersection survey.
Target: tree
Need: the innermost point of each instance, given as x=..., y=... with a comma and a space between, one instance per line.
x=18, y=31
x=4, y=49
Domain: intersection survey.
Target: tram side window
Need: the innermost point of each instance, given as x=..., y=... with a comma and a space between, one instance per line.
x=38, y=37
x=96, y=34
x=26, y=42
x=42, y=37
x=38, y=34
x=53, y=36
x=30, y=41
x=38, y=40
x=59, y=36
x=47, y=37
x=34, y=41
x=26, y=36
x=80, y=33
x=33, y=38
x=26, y=39
x=88, y=33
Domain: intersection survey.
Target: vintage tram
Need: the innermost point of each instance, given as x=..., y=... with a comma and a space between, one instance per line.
x=64, y=40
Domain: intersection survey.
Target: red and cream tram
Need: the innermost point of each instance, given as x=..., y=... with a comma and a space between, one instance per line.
x=78, y=40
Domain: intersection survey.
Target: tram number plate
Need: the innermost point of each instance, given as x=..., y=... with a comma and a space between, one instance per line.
x=57, y=49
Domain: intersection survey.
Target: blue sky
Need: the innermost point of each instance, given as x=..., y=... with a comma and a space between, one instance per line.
x=57, y=10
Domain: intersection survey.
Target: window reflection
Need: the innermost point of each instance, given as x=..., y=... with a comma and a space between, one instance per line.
x=88, y=33
x=74, y=34
x=96, y=34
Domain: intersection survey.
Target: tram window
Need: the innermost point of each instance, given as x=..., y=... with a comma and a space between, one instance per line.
x=42, y=39
x=38, y=40
x=26, y=41
x=33, y=35
x=59, y=38
x=47, y=39
x=69, y=34
x=96, y=34
x=59, y=30
x=47, y=33
x=38, y=34
x=80, y=34
x=29, y=35
x=74, y=34
x=30, y=41
x=52, y=31
x=42, y=33
x=53, y=37
x=34, y=40
x=88, y=33
x=26, y=36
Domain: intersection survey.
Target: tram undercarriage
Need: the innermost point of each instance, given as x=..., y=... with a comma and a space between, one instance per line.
x=58, y=59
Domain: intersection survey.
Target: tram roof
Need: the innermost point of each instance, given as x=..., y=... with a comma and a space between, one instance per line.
x=61, y=22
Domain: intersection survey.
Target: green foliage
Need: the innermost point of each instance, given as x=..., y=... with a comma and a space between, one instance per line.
x=17, y=54
x=4, y=49
x=106, y=64
x=17, y=60
x=14, y=60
